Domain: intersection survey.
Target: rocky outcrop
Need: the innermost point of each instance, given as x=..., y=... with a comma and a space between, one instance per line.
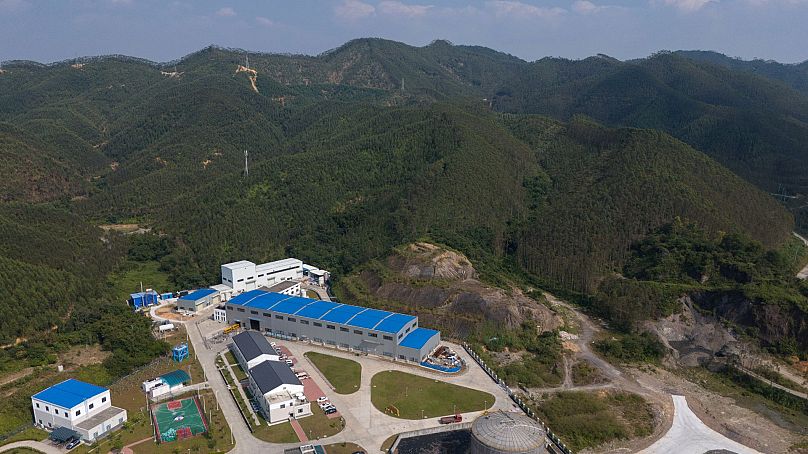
x=442, y=287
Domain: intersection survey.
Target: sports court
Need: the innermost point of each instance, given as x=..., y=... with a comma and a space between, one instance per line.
x=178, y=419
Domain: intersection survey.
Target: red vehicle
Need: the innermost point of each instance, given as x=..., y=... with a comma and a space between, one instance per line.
x=450, y=419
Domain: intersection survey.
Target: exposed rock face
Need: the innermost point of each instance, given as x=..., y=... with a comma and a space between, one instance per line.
x=773, y=323
x=442, y=287
x=693, y=337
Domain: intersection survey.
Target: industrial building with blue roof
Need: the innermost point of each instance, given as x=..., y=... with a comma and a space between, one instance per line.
x=198, y=299
x=358, y=328
x=82, y=409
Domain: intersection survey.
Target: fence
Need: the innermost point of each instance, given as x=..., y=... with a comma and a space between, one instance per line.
x=522, y=404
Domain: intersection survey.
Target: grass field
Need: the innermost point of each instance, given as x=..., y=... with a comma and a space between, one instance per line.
x=318, y=425
x=342, y=448
x=343, y=374
x=127, y=280
x=585, y=420
x=416, y=397
x=28, y=434
x=279, y=433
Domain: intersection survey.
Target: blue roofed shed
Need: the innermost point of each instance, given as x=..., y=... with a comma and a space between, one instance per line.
x=198, y=299
x=69, y=393
x=420, y=338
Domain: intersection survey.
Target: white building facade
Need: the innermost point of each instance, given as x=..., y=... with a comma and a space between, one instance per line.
x=244, y=275
x=280, y=393
x=79, y=406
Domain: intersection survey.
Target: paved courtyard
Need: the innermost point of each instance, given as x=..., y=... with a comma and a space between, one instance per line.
x=364, y=424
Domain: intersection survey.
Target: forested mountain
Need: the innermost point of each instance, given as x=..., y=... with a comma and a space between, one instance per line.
x=794, y=75
x=377, y=144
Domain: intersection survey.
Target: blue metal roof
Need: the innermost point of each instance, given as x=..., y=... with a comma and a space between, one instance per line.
x=69, y=393
x=198, y=294
x=246, y=297
x=341, y=314
x=316, y=309
x=327, y=311
x=368, y=318
x=291, y=305
x=394, y=323
x=418, y=338
x=266, y=301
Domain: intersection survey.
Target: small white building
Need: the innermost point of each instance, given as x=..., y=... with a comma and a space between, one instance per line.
x=243, y=275
x=279, y=391
x=220, y=314
x=290, y=288
x=170, y=383
x=82, y=407
x=251, y=348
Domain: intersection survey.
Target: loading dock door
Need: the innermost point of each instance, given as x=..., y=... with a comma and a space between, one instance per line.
x=255, y=324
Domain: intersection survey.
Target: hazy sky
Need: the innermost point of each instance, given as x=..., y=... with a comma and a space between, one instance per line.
x=162, y=30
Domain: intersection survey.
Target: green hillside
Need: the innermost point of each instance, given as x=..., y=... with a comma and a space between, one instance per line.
x=345, y=164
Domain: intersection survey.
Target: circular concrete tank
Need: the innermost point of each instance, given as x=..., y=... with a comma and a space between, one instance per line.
x=506, y=433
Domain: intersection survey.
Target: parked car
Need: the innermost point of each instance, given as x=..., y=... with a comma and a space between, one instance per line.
x=330, y=411
x=289, y=362
x=322, y=399
x=72, y=444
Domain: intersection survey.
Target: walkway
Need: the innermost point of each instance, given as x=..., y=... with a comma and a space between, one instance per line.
x=35, y=445
x=689, y=435
x=794, y=393
x=301, y=434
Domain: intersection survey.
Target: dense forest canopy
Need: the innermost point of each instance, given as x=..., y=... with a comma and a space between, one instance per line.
x=369, y=146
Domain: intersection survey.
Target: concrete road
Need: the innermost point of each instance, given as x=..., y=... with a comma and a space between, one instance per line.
x=689, y=435
x=35, y=445
x=364, y=424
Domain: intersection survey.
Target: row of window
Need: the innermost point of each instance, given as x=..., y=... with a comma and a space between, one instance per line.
x=65, y=412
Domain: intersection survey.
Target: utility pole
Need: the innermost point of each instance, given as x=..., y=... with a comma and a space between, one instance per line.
x=246, y=166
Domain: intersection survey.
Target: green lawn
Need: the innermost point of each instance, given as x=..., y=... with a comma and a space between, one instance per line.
x=318, y=425
x=27, y=434
x=342, y=448
x=343, y=374
x=128, y=278
x=415, y=396
x=279, y=433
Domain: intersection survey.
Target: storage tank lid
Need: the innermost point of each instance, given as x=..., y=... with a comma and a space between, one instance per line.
x=509, y=432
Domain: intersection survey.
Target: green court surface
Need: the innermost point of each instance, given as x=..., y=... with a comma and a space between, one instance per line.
x=178, y=419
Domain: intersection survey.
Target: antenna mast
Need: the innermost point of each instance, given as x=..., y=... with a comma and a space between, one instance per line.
x=246, y=168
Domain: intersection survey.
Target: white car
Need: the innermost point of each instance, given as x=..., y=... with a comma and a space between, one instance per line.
x=322, y=399
x=289, y=362
x=274, y=344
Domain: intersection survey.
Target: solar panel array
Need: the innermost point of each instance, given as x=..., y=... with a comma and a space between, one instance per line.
x=344, y=314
